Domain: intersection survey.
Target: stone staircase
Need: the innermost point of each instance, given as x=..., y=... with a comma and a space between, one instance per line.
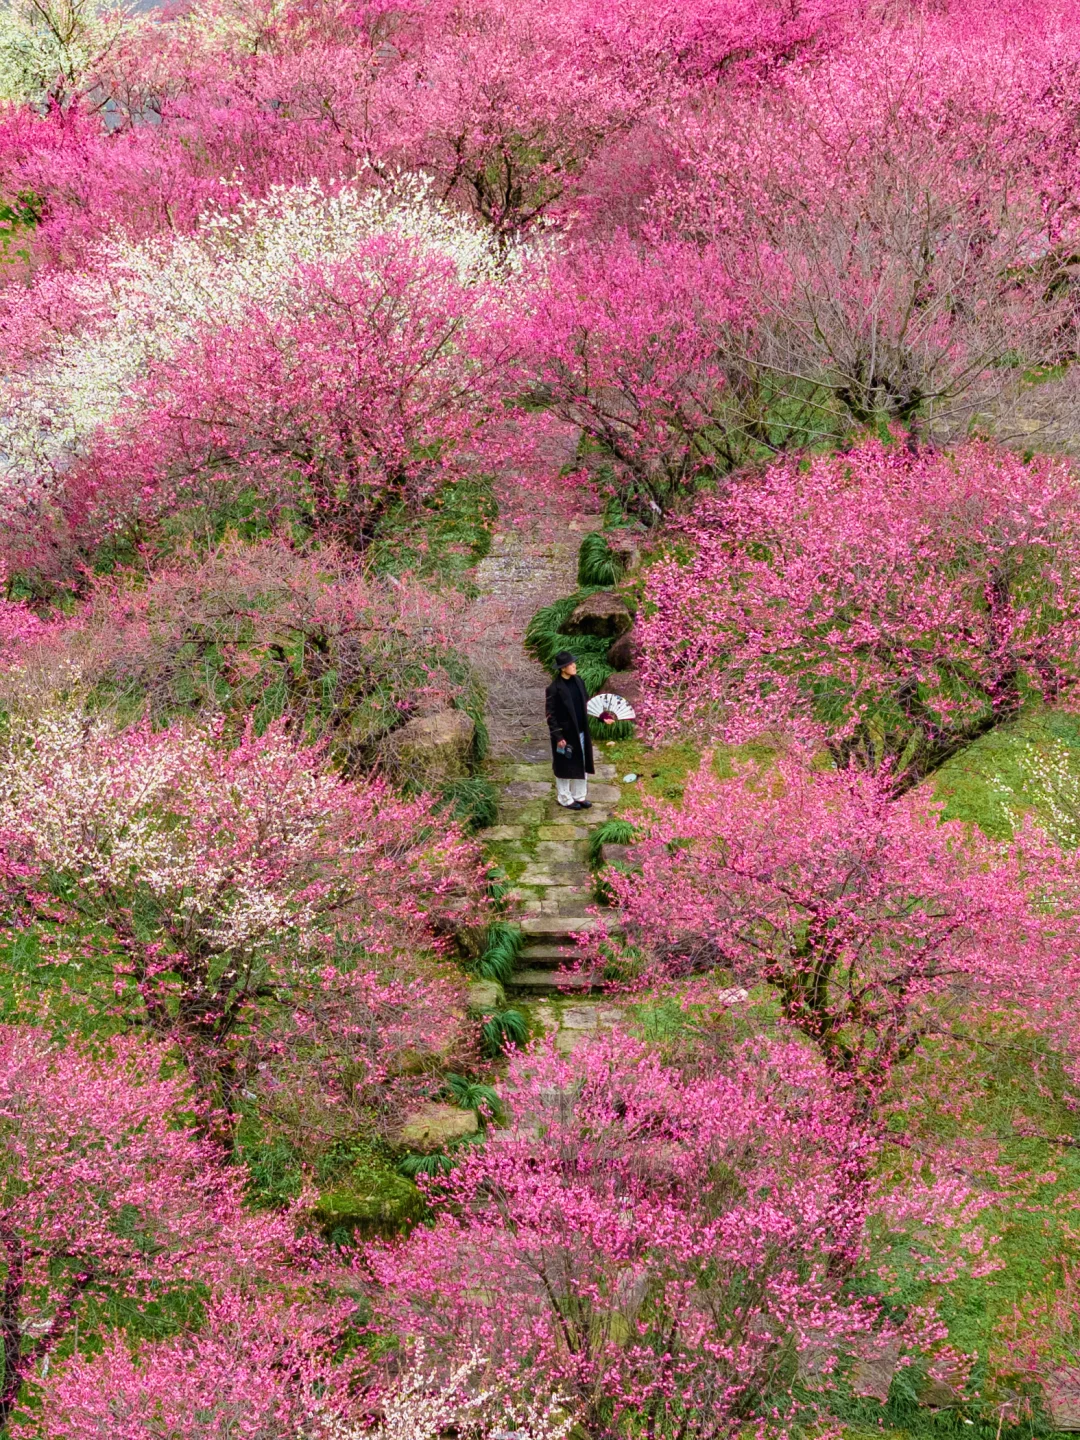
x=543, y=847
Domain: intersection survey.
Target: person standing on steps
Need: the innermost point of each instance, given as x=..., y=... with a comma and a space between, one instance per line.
x=571, y=744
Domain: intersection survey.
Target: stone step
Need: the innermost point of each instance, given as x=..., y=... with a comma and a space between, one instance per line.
x=533, y=954
x=547, y=963
x=559, y=924
x=548, y=982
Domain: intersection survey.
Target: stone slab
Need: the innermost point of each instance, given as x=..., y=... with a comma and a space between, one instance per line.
x=501, y=832
x=605, y=794
x=564, y=925
x=547, y=982
x=527, y=789
x=561, y=852
x=534, y=953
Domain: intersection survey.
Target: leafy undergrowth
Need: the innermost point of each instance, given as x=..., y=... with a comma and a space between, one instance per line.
x=442, y=542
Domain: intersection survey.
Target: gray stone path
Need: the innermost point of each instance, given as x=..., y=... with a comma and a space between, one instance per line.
x=541, y=846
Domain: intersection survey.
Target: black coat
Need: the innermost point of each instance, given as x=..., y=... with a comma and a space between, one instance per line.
x=562, y=721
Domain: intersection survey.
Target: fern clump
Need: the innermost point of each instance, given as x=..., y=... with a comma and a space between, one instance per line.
x=503, y=1029
x=597, y=562
x=502, y=945
x=545, y=637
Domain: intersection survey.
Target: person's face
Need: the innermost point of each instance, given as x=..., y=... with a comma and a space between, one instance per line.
x=568, y=670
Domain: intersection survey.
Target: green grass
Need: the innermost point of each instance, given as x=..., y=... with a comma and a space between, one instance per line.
x=503, y=943
x=503, y=1029
x=662, y=771
x=597, y=565
x=615, y=831
x=472, y=800
x=997, y=780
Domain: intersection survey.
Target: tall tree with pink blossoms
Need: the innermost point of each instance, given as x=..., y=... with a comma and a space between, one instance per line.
x=895, y=605
x=104, y=1194
x=649, y=1243
x=899, y=217
x=863, y=913
x=360, y=393
x=635, y=348
x=232, y=883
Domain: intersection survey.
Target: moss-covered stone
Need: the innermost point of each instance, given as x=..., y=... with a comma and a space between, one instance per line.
x=372, y=1199
x=434, y=1126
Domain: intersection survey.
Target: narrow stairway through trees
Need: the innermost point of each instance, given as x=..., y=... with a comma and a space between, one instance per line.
x=532, y=562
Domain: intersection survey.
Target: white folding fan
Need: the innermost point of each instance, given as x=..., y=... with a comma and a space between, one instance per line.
x=609, y=708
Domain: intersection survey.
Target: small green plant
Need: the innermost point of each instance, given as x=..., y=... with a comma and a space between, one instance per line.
x=483, y=1100
x=611, y=832
x=472, y=800
x=503, y=1029
x=18, y=217
x=502, y=945
x=498, y=885
x=597, y=562
x=413, y=1165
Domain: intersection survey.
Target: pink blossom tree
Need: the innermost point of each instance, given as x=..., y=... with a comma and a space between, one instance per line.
x=359, y=394
x=863, y=913
x=104, y=1193
x=648, y=1243
x=231, y=883
x=633, y=347
x=898, y=216
x=895, y=604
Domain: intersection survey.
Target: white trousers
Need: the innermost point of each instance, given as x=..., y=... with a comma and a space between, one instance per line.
x=567, y=791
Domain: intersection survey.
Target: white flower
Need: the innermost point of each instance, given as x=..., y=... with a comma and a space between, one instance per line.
x=146, y=298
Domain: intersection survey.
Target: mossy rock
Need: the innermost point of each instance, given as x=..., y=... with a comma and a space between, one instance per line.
x=371, y=1199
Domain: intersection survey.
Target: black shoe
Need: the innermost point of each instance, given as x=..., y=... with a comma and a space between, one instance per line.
x=581, y=805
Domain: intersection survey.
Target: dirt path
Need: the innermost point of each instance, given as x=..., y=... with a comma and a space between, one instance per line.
x=543, y=848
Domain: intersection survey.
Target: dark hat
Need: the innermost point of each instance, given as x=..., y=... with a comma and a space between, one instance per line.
x=564, y=658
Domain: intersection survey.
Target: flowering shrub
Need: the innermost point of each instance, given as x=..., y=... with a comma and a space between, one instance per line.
x=650, y=1243
x=262, y=1365
x=864, y=914
x=105, y=1195
x=897, y=605
x=229, y=884
x=260, y=630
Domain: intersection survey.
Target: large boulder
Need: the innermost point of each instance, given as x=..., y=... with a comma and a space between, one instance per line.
x=434, y=1126
x=604, y=614
x=434, y=748
x=623, y=544
x=626, y=685
x=623, y=651
x=372, y=1199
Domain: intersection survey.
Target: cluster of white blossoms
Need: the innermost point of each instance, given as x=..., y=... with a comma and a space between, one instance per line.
x=158, y=812
x=425, y=1407
x=51, y=46
x=1051, y=784
x=144, y=299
